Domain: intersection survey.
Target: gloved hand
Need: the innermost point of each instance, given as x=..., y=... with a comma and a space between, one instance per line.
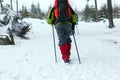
x=73, y=28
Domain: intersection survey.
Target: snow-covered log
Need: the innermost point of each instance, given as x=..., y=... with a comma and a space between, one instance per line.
x=7, y=39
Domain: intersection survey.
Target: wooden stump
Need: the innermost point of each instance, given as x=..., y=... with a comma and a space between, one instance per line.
x=7, y=39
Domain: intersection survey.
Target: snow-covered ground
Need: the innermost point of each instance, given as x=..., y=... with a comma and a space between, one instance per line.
x=33, y=59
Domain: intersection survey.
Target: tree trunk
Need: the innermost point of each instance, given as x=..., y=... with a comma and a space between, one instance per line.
x=110, y=14
x=11, y=4
x=96, y=9
x=17, y=5
x=1, y=5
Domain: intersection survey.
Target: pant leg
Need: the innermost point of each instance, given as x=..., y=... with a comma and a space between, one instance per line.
x=63, y=32
x=65, y=51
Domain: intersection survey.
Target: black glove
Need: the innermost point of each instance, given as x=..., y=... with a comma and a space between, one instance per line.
x=73, y=26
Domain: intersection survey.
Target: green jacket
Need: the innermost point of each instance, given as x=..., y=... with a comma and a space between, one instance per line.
x=51, y=18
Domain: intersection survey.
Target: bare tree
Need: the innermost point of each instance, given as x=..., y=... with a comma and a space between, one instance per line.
x=96, y=10
x=17, y=5
x=110, y=14
x=1, y=4
x=11, y=4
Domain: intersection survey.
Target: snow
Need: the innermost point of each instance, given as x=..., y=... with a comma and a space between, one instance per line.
x=33, y=59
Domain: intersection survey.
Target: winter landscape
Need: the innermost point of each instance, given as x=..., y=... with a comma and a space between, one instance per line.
x=34, y=58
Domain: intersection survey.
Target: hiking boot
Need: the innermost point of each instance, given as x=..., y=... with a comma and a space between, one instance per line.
x=68, y=61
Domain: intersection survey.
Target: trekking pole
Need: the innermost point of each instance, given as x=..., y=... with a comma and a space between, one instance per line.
x=77, y=30
x=54, y=43
x=76, y=48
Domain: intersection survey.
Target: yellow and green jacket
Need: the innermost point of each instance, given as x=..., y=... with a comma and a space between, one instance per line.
x=51, y=18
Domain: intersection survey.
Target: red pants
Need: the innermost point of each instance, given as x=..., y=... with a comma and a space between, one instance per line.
x=65, y=51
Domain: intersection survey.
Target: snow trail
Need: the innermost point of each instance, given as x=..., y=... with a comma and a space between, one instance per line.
x=34, y=59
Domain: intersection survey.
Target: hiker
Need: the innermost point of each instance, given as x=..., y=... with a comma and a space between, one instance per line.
x=64, y=18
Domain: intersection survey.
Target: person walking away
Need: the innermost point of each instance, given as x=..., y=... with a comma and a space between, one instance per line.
x=64, y=18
